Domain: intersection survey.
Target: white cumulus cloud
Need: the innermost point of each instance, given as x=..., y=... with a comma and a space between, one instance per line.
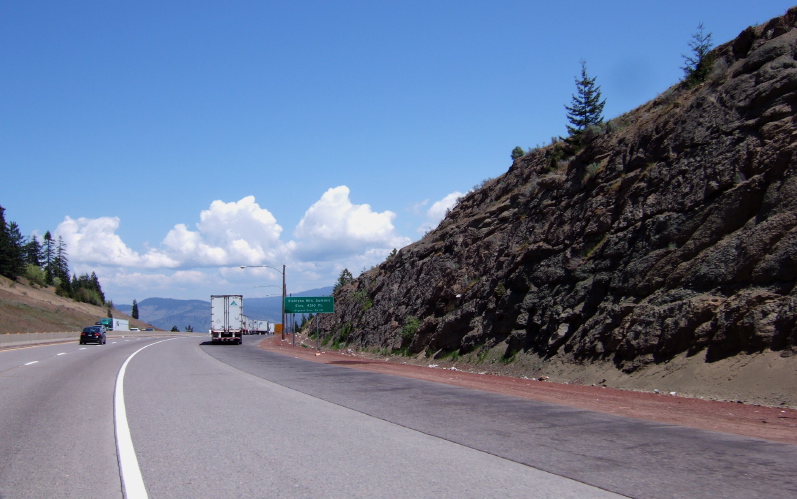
x=438, y=210
x=236, y=233
x=334, y=227
x=94, y=241
x=233, y=233
x=333, y=234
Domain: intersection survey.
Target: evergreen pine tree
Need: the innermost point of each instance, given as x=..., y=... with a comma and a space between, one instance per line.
x=84, y=290
x=61, y=261
x=586, y=108
x=61, y=269
x=698, y=65
x=5, y=250
x=33, y=252
x=48, y=255
x=16, y=248
x=4, y=241
x=134, y=312
x=12, y=264
x=345, y=277
x=95, y=285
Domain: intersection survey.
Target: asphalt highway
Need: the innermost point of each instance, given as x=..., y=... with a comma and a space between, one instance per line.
x=235, y=421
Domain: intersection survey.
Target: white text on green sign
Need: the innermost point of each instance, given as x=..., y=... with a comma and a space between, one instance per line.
x=309, y=305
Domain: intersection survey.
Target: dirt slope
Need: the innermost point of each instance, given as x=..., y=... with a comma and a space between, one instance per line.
x=771, y=423
x=26, y=308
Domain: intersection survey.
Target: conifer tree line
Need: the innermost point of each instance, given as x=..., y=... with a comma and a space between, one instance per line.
x=45, y=263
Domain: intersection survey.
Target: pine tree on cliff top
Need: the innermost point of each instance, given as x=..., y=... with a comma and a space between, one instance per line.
x=587, y=107
x=698, y=65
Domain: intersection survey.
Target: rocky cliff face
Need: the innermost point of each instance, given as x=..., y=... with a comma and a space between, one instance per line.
x=674, y=229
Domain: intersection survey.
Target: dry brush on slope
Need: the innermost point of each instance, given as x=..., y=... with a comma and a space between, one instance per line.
x=29, y=308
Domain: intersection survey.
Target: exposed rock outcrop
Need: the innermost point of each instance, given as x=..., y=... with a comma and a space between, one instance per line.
x=674, y=229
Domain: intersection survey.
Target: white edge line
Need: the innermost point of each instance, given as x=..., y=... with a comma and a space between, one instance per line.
x=132, y=481
x=34, y=362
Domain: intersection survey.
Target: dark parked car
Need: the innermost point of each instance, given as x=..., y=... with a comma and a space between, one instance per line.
x=93, y=334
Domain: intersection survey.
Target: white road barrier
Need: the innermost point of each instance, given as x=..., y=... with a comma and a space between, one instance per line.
x=16, y=339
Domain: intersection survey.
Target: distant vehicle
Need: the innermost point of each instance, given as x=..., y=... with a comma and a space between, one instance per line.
x=112, y=324
x=134, y=329
x=226, y=319
x=252, y=326
x=94, y=334
x=255, y=326
x=149, y=329
x=258, y=327
x=121, y=325
x=107, y=323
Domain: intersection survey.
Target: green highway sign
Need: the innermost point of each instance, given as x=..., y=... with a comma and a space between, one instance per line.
x=309, y=305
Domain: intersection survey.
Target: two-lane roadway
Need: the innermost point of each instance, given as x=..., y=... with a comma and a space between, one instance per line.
x=56, y=419
x=235, y=421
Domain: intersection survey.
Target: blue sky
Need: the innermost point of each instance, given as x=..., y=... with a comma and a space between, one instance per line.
x=169, y=143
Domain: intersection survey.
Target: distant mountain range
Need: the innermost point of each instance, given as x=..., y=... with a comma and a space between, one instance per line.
x=165, y=313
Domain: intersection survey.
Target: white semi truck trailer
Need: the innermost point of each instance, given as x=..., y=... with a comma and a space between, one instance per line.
x=226, y=319
x=112, y=324
x=255, y=326
x=261, y=327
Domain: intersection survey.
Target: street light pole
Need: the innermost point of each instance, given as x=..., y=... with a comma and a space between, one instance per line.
x=283, y=292
x=283, y=306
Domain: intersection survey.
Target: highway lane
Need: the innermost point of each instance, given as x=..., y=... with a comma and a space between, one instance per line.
x=222, y=421
x=630, y=457
x=203, y=428
x=56, y=420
